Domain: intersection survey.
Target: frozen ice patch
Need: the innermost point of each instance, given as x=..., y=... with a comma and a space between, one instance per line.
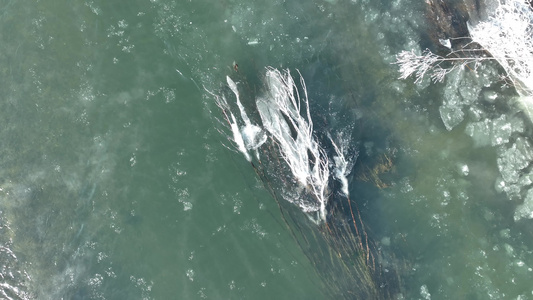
x=186, y=205
x=425, y=293
x=525, y=210
x=514, y=159
x=446, y=43
x=494, y=132
x=451, y=115
x=190, y=274
x=463, y=169
x=253, y=41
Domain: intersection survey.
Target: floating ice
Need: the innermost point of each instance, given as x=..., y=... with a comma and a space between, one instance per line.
x=451, y=115
x=481, y=132
x=424, y=292
x=462, y=90
x=463, y=169
x=514, y=159
x=525, y=210
x=505, y=233
x=494, y=132
x=469, y=91
x=490, y=96
x=446, y=43
x=253, y=41
x=190, y=274
x=511, y=189
x=512, y=163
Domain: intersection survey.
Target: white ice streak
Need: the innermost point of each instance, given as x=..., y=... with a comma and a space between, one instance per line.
x=238, y=139
x=249, y=136
x=246, y=136
x=342, y=165
x=286, y=116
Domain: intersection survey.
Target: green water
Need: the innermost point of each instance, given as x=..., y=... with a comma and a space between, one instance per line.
x=115, y=182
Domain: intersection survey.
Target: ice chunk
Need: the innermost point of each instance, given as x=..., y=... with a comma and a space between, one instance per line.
x=446, y=43
x=451, y=95
x=463, y=169
x=451, y=115
x=481, y=132
x=253, y=41
x=512, y=160
x=476, y=113
x=511, y=189
x=494, y=132
x=509, y=250
x=501, y=131
x=525, y=210
x=526, y=179
x=490, y=96
x=505, y=233
x=469, y=91
x=461, y=90
x=425, y=293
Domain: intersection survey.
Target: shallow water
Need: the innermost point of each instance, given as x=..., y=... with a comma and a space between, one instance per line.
x=117, y=184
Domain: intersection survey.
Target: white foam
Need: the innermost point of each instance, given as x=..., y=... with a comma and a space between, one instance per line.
x=342, y=166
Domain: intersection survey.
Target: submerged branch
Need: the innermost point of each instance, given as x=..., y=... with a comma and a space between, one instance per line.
x=296, y=169
x=287, y=118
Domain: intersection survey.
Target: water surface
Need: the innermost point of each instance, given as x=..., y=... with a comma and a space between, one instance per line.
x=116, y=183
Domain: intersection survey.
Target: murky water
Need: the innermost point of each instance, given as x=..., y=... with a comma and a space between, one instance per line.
x=115, y=182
